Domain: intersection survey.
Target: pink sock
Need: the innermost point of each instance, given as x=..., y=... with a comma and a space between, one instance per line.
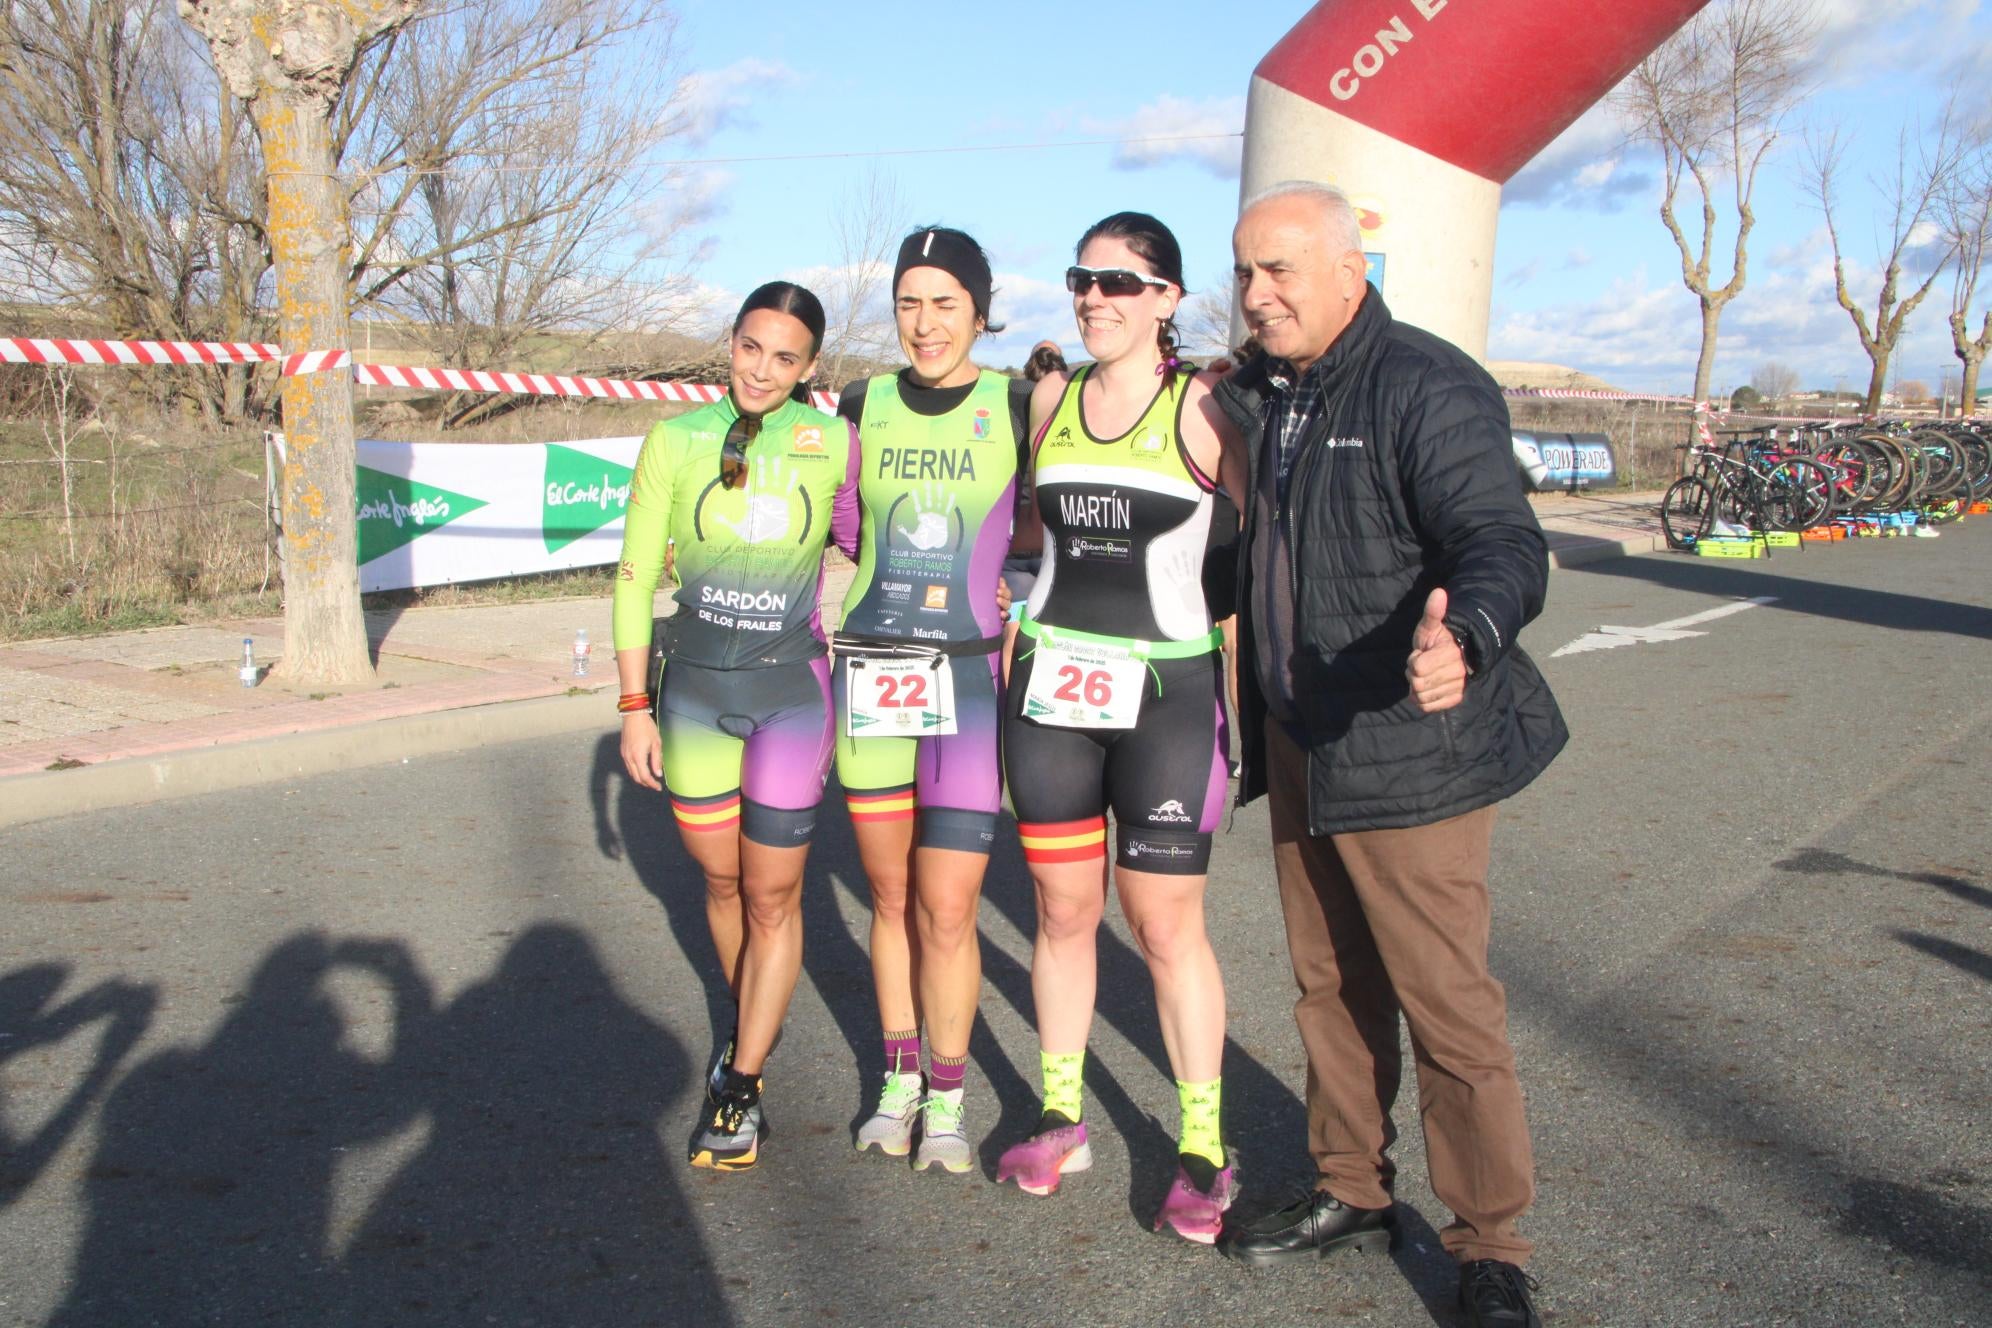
x=902, y=1052
x=944, y=1075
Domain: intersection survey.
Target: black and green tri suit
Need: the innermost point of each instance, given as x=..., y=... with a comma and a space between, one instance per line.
x=1126, y=521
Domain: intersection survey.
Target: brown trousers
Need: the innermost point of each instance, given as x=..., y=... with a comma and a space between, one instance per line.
x=1386, y=921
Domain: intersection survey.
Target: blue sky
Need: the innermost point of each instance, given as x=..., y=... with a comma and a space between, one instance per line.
x=1585, y=273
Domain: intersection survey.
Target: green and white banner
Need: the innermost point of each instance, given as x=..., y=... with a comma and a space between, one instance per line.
x=432, y=514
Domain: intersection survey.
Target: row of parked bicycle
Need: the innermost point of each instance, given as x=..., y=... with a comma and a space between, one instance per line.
x=1856, y=478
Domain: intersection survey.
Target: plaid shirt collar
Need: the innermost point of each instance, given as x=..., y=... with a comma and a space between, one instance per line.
x=1292, y=404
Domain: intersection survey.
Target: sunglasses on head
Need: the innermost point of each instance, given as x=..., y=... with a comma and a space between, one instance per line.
x=1110, y=280
x=733, y=452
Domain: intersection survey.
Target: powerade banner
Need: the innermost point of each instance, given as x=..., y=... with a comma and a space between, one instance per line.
x=432, y=514
x=1565, y=460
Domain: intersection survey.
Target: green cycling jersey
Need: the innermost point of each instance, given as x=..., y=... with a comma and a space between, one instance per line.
x=748, y=560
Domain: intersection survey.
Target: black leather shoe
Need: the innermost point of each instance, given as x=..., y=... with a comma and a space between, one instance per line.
x=1496, y=1295
x=1313, y=1227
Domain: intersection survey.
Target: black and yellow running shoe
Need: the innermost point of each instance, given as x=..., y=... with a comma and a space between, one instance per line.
x=729, y=1135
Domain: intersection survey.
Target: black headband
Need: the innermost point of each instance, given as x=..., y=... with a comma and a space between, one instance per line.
x=954, y=254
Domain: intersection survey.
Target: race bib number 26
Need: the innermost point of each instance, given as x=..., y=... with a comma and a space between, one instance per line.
x=899, y=698
x=1084, y=687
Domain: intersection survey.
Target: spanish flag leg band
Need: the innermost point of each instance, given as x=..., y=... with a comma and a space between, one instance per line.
x=881, y=804
x=708, y=814
x=1064, y=841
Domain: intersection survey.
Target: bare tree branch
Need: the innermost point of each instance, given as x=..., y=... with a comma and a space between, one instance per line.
x=870, y=217
x=1965, y=210
x=1712, y=102
x=1914, y=197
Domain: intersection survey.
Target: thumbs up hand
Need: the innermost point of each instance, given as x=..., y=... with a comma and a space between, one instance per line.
x=1437, y=667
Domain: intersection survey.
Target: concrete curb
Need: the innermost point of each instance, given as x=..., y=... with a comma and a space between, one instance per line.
x=1591, y=551
x=139, y=780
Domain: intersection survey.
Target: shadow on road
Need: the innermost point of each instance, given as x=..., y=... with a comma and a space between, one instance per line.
x=1822, y=862
x=1963, y=957
x=343, y=1150
x=1824, y=599
x=1266, y=1121
x=30, y=1022
x=634, y=825
x=1689, y=1075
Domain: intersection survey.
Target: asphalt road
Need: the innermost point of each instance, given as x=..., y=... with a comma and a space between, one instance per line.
x=421, y=1044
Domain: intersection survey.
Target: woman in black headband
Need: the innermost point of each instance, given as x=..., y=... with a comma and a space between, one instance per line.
x=919, y=679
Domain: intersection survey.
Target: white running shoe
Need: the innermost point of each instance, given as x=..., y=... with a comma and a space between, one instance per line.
x=890, y=1129
x=942, y=1142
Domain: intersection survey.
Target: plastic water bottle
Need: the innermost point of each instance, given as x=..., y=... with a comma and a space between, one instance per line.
x=581, y=653
x=248, y=670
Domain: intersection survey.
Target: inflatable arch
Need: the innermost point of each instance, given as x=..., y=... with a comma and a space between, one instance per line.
x=1420, y=110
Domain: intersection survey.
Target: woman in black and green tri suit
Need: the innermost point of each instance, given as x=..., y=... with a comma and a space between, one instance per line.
x=738, y=500
x=1115, y=702
x=918, y=682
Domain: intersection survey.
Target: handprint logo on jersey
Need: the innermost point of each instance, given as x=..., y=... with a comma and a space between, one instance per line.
x=932, y=517
x=770, y=503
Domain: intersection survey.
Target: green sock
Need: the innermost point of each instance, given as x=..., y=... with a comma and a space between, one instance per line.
x=1063, y=1074
x=1199, y=1104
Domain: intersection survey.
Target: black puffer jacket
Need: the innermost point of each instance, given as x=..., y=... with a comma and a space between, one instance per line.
x=1420, y=491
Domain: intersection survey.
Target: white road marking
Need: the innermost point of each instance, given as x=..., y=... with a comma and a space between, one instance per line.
x=1674, y=629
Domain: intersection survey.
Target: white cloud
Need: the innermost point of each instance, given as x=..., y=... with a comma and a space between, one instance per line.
x=710, y=100
x=1857, y=45
x=1176, y=129
x=688, y=199
x=688, y=307
x=1031, y=310
x=1585, y=165
x=1647, y=337
x=1590, y=164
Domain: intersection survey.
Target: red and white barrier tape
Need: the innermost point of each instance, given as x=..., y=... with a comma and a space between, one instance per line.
x=552, y=385
x=1590, y=394
x=558, y=385
x=59, y=350
x=41, y=350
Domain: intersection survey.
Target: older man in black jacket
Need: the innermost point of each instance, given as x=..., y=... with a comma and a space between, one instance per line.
x=1387, y=563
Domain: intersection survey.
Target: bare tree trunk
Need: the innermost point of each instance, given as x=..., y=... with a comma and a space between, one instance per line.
x=1877, y=381
x=1705, y=366
x=325, y=638
x=1970, y=404
x=289, y=59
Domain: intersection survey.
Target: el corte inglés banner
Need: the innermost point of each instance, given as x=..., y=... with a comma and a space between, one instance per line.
x=432, y=514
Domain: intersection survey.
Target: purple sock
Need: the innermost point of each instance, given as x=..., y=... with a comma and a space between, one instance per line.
x=902, y=1052
x=944, y=1074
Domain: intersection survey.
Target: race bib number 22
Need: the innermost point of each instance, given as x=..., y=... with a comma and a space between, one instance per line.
x=899, y=698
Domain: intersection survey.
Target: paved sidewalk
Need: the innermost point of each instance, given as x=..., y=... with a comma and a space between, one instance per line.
x=89, y=722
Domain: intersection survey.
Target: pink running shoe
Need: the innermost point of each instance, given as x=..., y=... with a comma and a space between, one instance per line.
x=1193, y=1213
x=1038, y=1162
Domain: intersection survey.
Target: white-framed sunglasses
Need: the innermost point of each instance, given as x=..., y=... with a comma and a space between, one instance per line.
x=1110, y=280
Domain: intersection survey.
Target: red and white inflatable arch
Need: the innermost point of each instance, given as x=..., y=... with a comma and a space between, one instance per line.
x=1420, y=110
